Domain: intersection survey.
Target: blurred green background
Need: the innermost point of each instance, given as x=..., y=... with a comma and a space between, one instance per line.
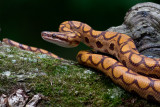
x=23, y=20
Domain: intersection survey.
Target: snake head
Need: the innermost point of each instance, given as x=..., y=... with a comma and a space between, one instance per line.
x=63, y=39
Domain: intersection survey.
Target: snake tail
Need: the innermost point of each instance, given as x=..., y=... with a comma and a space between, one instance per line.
x=29, y=48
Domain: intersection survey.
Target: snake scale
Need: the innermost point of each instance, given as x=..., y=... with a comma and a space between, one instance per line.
x=127, y=71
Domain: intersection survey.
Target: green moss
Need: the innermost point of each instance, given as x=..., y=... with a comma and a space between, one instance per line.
x=62, y=82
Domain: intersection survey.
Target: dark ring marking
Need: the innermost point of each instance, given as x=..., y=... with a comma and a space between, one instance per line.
x=111, y=47
x=21, y=46
x=124, y=63
x=87, y=40
x=9, y=41
x=133, y=63
x=99, y=45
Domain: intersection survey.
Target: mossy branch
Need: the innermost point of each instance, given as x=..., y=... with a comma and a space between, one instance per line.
x=62, y=82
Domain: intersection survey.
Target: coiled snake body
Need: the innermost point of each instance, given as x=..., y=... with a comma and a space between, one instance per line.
x=125, y=72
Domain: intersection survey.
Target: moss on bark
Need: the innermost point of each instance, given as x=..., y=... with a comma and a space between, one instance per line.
x=62, y=82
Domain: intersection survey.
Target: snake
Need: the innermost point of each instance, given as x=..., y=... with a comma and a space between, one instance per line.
x=29, y=48
x=131, y=70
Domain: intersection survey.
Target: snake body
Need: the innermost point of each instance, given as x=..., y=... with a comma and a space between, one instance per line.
x=29, y=48
x=146, y=87
x=119, y=45
x=125, y=72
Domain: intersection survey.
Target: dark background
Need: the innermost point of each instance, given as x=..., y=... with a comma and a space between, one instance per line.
x=23, y=20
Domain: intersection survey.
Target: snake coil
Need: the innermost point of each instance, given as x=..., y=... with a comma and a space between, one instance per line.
x=126, y=71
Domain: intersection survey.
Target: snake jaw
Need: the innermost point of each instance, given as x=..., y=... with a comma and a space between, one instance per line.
x=59, y=38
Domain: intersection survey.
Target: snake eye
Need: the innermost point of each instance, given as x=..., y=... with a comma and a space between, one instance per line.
x=53, y=35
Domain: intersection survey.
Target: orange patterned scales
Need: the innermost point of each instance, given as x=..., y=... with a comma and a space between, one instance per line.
x=71, y=33
x=125, y=72
x=29, y=48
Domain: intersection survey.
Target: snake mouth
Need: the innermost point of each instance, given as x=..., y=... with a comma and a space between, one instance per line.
x=58, y=38
x=52, y=38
